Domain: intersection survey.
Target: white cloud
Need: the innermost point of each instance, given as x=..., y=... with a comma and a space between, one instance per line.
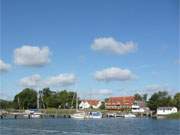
x=31, y=56
x=31, y=81
x=36, y=80
x=109, y=44
x=4, y=67
x=65, y=79
x=102, y=92
x=113, y=74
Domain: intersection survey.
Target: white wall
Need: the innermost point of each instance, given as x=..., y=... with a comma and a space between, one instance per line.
x=137, y=109
x=86, y=105
x=97, y=106
x=166, y=111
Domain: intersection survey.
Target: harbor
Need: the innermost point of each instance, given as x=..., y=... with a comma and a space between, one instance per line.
x=55, y=113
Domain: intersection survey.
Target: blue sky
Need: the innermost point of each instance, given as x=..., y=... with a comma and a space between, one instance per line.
x=65, y=33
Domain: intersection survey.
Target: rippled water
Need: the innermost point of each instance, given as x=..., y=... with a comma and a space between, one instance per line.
x=89, y=127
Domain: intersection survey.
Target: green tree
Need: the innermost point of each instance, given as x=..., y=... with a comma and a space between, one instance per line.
x=144, y=97
x=26, y=99
x=65, y=99
x=138, y=97
x=4, y=104
x=102, y=106
x=46, y=94
x=160, y=99
x=177, y=100
x=53, y=101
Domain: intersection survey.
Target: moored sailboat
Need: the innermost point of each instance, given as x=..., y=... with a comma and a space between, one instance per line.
x=79, y=114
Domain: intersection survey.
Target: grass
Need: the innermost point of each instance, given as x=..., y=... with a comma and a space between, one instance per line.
x=174, y=116
x=54, y=111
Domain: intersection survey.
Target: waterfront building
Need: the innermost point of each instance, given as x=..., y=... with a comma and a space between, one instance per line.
x=166, y=110
x=91, y=103
x=120, y=103
x=139, y=107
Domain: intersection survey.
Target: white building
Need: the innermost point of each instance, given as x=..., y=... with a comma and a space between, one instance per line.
x=85, y=104
x=166, y=110
x=139, y=107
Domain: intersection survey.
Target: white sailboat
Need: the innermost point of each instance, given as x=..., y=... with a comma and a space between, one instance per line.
x=79, y=114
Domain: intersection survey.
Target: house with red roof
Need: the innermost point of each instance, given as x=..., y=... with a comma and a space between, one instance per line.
x=119, y=103
x=91, y=103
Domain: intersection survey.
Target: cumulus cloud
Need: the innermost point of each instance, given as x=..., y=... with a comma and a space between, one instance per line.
x=4, y=67
x=113, y=74
x=31, y=56
x=65, y=79
x=109, y=44
x=36, y=80
x=31, y=81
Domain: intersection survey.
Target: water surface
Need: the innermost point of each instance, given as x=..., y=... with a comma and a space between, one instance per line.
x=89, y=127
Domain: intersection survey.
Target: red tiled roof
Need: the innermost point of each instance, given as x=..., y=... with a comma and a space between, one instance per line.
x=92, y=102
x=120, y=101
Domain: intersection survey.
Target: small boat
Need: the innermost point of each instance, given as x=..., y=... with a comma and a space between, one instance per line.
x=79, y=115
x=95, y=115
x=111, y=115
x=32, y=114
x=36, y=115
x=130, y=115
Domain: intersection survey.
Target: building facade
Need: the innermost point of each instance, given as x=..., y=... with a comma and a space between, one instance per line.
x=119, y=103
x=166, y=110
x=85, y=104
x=139, y=107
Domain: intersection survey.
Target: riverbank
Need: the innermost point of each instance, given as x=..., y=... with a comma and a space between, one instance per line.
x=174, y=116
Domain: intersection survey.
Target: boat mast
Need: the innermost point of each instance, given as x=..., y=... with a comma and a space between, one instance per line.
x=37, y=99
x=76, y=101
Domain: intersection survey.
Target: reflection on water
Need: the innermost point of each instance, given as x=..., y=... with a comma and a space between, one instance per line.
x=89, y=127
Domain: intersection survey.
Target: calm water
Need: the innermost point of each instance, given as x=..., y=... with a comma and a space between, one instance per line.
x=89, y=127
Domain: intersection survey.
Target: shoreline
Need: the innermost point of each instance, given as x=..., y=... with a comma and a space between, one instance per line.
x=66, y=113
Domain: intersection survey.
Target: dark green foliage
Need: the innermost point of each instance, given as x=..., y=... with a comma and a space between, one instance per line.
x=144, y=97
x=102, y=106
x=62, y=99
x=5, y=104
x=160, y=99
x=139, y=97
x=26, y=99
x=177, y=100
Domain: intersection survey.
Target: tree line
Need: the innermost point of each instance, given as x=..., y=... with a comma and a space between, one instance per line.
x=160, y=99
x=27, y=99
